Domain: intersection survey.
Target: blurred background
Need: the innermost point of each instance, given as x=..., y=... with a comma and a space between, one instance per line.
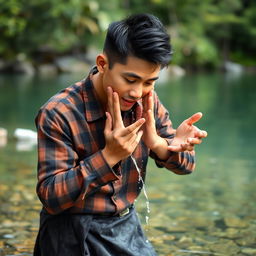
x=46, y=45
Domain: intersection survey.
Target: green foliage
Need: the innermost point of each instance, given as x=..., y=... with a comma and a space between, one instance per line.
x=26, y=26
x=203, y=32
x=190, y=49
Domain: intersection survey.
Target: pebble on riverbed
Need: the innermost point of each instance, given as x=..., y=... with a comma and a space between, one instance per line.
x=235, y=222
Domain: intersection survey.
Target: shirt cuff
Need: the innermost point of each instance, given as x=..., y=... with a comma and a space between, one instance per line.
x=97, y=165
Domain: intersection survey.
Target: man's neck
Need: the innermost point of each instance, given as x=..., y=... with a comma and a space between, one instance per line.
x=98, y=86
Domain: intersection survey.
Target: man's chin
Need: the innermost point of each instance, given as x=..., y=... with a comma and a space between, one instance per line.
x=125, y=108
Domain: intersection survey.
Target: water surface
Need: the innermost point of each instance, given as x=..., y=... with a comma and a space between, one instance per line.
x=210, y=212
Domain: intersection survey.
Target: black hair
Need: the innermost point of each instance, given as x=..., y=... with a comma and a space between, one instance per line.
x=140, y=35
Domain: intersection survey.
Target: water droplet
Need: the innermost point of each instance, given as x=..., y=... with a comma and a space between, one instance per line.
x=147, y=219
x=144, y=188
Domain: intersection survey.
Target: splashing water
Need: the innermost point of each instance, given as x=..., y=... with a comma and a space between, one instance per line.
x=144, y=189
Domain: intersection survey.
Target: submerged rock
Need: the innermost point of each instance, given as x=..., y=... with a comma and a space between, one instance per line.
x=71, y=64
x=233, y=67
x=249, y=251
x=249, y=239
x=20, y=65
x=225, y=247
x=25, y=134
x=47, y=70
x=230, y=233
x=235, y=222
x=26, y=139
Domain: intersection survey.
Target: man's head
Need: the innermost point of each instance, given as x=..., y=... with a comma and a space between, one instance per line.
x=142, y=36
x=135, y=50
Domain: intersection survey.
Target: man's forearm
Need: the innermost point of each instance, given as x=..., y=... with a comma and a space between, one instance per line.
x=160, y=149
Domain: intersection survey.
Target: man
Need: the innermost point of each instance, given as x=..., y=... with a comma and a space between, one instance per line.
x=90, y=133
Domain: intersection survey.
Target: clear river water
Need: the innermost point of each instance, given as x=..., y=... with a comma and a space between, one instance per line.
x=209, y=212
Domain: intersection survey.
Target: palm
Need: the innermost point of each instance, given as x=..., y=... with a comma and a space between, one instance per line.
x=187, y=135
x=183, y=133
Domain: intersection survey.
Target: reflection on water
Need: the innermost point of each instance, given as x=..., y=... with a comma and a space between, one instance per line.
x=210, y=212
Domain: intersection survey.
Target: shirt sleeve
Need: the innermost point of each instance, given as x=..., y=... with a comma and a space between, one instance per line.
x=181, y=162
x=63, y=178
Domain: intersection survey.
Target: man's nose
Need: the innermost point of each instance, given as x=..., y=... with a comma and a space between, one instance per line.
x=136, y=93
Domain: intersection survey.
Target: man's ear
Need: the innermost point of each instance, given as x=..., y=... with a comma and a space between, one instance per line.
x=101, y=62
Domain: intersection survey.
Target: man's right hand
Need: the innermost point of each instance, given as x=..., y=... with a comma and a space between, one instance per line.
x=121, y=141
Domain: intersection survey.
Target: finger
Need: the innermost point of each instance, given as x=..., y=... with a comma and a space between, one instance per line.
x=187, y=147
x=137, y=139
x=146, y=101
x=181, y=148
x=150, y=101
x=108, y=124
x=201, y=134
x=130, y=136
x=190, y=148
x=150, y=118
x=110, y=101
x=118, y=122
x=139, y=111
x=133, y=128
x=149, y=109
x=193, y=141
x=194, y=118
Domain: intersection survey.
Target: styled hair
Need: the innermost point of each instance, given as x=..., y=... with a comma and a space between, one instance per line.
x=140, y=35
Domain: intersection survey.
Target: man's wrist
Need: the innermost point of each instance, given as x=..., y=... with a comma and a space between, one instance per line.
x=111, y=160
x=160, y=148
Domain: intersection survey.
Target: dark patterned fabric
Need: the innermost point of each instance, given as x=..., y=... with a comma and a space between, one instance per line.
x=92, y=235
x=72, y=172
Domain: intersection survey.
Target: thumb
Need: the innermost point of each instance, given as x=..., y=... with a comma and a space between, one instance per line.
x=108, y=124
x=194, y=118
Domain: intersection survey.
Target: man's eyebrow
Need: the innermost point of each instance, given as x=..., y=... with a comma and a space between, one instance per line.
x=130, y=74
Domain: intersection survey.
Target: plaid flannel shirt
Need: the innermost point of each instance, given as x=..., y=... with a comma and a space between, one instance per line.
x=73, y=175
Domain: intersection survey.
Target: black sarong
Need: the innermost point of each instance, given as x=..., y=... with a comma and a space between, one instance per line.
x=92, y=235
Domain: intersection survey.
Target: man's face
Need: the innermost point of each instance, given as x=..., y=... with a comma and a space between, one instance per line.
x=132, y=81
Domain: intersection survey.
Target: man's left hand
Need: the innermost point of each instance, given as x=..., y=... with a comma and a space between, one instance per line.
x=187, y=135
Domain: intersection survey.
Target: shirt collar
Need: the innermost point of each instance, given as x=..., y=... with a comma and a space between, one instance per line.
x=93, y=107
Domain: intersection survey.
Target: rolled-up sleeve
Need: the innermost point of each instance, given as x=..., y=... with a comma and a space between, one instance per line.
x=181, y=162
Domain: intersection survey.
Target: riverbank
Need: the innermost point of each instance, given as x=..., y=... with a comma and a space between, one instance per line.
x=46, y=62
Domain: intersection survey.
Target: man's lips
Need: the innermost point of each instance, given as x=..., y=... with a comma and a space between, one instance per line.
x=129, y=101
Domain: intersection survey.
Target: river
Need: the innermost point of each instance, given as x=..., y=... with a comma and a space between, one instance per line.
x=209, y=212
